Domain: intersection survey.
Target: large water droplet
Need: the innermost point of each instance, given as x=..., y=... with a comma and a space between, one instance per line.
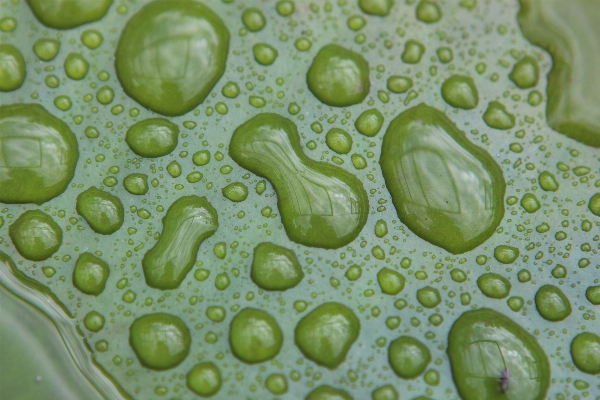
x=60, y=14
x=12, y=68
x=35, y=235
x=102, y=211
x=254, y=336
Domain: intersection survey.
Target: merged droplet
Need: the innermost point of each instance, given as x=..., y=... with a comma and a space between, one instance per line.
x=275, y=267
x=326, y=334
x=188, y=222
x=445, y=189
x=90, y=274
x=408, y=357
x=39, y=154
x=460, y=91
x=170, y=55
x=101, y=210
x=153, y=137
x=60, y=14
x=338, y=76
x=321, y=205
x=12, y=68
x=255, y=336
x=35, y=235
x=552, y=304
x=569, y=31
x=585, y=351
x=160, y=341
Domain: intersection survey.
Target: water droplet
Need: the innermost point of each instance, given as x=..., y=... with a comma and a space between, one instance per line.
x=93, y=321
x=369, y=123
x=253, y=19
x=376, y=7
x=60, y=15
x=264, y=53
x=399, y=84
x=548, y=181
x=171, y=54
x=76, y=67
x=506, y=254
x=484, y=343
x=585, y=350
x=525, y=73
x=429, y=297
x=254, y=336
x=339, y=141
x=105, y=95
x=188, y=222
x=445, y=189
x=338, y=77
x=277, y=384
x=204, y=379
x=101, y=210
x=35, y=235
x=428, y=11
x=386, y=392
x=594, y=204
x=408, y=357
x=413, y=51
x=321, y=205
x=285, y=8
x=235, y=191
x=275, y=267
x=160, y=341
x=460, y=91
x=494, y=286
x=90, y=274
x=552, y=304
x=46, y=49
x=136, y=183
x=497, y=117
x=154, y=137
x=326, y=334
x=530, y=203
x=12, y=68
x=592, y=293
x=390, y=282
x=91, y=38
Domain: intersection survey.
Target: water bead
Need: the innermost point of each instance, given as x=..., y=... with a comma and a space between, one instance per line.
x=12, y=68
x=35, y=235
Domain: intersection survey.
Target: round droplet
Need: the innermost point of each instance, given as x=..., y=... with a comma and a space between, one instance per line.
x=548, y=182
x=506, y=254
x=460, y=91
x=12, y=68
x=204, y=379
x=326, y=334
x=39, y=154
x=516, y=303
x=102, y=211
x=136, y=183
x=387, y=392
x=285, y=8
x=530, y=203
x=326, y=392
x=76, y=67
x=216, y=313
x=552, y=304
x=235, y=191
x=90, y=274
x=525, y=73
x=154, y=137
x=254, y=336
x=429, y=297
x=390, y=282
x=275, y=267
x=170, y=55
x=264, y=53
x=585, y=351
x=160, y=341
x=491, y=354
x=93, y=321
x=413, y=51
x=592, y=293
x=428, y=11
x=8, y=24
x=376, y=7
x=174, y=169
x=339, y=140
x=46, y=49
x=277, y=384
x=594, y=204
x=457, y=207
x=253, y=19
x=338, y=77
x=91, y=38
x=408, y=357
x=399, y=84
x=105, y=95
x=60, y=14
x=494, y=286
x=497, y=117
x=369, y=123
x=35, y=235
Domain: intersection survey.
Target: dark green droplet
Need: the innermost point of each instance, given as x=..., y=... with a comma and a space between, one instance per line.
x=552, y=304
x=12, y=68
x=204, y=379
x=275, y=267
x=60, y=14
x=154, y=137
x=189, y=221
x=90, y=274
x=525, y=73
x=408, y=357
x=35, y=235
x=585, y=351
x=460, y=91
x=369, y=123
x=320, y=205
x=376, y=7
x=254, y=336
x=530, y=203
x=236, y=192
x=338, y=77
x=46, y=49
x=592, y=293
x=160, y=341
x=494, y=286
x=136, y=183
x=497, y=117
x=484, y=346
x=506, y=254
x=171, y=54
x=390, y=282
x=516, y=303
x=339, y=141
x=445, y=189
x=39, y=154
x=102, y=211
x=326, y=334
x=429, y=297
